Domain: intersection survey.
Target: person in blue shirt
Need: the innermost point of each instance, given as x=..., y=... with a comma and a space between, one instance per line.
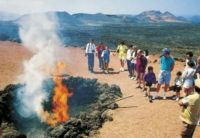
x=106, y=58
x=166, y=67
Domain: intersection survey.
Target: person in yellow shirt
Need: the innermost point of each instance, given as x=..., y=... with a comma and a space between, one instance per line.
x=122, y=51
x=191, y=111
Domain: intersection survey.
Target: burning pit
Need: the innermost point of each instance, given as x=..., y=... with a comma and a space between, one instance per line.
x=88, y=101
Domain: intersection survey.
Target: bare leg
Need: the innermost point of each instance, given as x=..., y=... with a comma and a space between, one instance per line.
x=158, y=88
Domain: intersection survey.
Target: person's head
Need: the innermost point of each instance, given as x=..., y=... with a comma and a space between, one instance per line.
x=150, y=69
x=179, y=74
x=122, y=43
x=106, y=47
x=134, y=47
x=130, y=46
x=189, y=55
x=139, y=52
x=191, y=64
x=92, y=40
x=166, y=52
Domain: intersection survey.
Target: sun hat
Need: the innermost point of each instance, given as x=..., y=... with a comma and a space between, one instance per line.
x=165, y=51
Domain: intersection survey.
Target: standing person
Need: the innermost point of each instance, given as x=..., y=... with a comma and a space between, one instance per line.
x=177, y=85
x=198, y=66
x=133, y=62
x=141, y=65
x=122, y=50
x=89, y=52
x=188, y=78
x=189, y=58
x=146, y=54
x=149, y=80
x=99, y=49
x=166, y=67
x=129, y=63
x=191, y=111
x=106, y=58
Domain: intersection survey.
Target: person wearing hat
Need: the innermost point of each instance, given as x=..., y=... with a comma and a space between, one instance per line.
x=166, y=67
x=191, y=111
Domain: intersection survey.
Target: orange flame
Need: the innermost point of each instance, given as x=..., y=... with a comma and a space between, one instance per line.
x=60, y=100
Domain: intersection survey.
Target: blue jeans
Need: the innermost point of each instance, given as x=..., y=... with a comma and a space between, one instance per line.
x=130, y=66
x=90, y=61
x=100, y=62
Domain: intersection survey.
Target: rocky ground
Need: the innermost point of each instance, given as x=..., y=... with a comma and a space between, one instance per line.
x=135, y=117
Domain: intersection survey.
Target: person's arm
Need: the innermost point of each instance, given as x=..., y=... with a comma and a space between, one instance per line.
x=86, y=50
x=184, y=101
x=172, y=67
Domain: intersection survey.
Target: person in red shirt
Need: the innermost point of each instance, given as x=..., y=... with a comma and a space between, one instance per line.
x=99, y=49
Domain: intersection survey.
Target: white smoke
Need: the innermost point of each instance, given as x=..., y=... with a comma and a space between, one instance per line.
x=38, y=34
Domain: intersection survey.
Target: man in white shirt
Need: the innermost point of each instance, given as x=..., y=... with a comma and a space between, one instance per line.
x=89, y=52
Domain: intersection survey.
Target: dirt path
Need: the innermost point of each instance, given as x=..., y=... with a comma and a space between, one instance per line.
x=136, y=117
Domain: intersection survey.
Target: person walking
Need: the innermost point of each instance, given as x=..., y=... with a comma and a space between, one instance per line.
x=89, y=52
x=122, y=51
x=166, y=67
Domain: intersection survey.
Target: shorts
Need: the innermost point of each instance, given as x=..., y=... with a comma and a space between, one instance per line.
x=187, y=130
x=177, y=88
x=149, y=84
x=164, y=77
x=122, y=56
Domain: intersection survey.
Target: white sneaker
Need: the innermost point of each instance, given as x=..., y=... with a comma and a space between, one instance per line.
x=132, y=78
x=155, y=96
x=164, y=96
x=177, y=99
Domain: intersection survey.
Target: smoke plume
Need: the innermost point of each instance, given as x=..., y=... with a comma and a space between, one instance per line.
x=38, y=34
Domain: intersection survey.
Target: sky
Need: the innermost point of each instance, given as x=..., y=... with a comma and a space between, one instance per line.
x=177, y=7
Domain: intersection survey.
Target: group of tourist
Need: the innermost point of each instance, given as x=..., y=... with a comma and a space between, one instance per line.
x=102, y=52
x=138, y=70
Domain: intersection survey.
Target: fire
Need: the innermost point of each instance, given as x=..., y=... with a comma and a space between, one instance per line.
x=60, y=100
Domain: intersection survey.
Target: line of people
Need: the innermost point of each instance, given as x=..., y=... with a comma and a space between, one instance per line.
x=137, y=64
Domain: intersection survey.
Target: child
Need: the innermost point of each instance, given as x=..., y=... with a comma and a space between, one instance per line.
x=188, y=78
x=178, y=84
x=106, y=58
x=149, y=80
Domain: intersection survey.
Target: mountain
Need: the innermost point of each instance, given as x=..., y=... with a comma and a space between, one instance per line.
x=194, y=19
x=158, y=17
x=98, y=19
x=5, y=16
x=64, y=19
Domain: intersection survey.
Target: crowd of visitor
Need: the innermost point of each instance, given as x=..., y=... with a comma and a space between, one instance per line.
x=137, y=62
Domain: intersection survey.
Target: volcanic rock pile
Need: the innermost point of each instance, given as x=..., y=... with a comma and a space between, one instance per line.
x=89, y=105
